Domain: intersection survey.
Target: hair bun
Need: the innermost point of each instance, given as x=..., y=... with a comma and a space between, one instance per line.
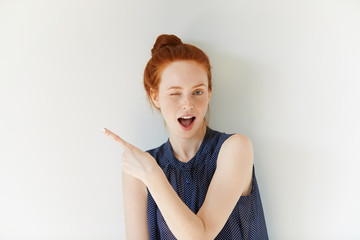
x=165, y=40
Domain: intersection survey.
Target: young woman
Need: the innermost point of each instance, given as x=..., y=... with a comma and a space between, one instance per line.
x=201, y=183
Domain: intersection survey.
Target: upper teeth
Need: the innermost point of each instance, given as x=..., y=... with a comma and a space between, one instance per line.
x=186, y=117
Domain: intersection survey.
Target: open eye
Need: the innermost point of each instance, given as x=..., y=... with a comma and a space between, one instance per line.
x=198, y=92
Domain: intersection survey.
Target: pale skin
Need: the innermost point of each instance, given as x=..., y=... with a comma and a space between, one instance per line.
x=183, y=91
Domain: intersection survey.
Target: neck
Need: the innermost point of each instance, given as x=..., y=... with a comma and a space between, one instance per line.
x=185, y=148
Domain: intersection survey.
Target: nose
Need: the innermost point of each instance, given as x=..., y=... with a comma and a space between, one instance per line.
x=187, y=103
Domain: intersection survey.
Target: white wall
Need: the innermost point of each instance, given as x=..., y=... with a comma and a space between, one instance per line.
x=286, y=74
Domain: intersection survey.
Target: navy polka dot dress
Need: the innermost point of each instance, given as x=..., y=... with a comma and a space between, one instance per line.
x=191, y=181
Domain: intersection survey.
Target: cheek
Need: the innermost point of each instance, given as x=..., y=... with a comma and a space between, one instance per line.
x=203, y=102
x=167, y=106
x=167, y=103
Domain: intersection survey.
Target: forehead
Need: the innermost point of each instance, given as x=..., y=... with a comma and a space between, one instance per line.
x=183, y=74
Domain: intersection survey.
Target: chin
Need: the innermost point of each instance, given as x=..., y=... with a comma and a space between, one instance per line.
x=191, y=132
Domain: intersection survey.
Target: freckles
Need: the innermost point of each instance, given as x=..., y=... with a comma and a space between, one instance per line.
x=202, y=102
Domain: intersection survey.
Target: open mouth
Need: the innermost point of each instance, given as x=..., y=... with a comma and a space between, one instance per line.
x=186, y=122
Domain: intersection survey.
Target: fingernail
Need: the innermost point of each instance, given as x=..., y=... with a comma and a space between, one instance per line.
x=103, y=129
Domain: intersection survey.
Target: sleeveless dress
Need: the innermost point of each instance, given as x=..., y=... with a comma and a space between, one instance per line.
x=191, y=181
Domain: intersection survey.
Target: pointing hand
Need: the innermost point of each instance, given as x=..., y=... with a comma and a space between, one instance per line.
x=135, y=162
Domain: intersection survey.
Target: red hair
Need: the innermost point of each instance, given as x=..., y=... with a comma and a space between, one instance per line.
x=168, y=49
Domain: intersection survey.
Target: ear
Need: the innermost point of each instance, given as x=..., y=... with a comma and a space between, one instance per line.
x=155, y=98
x=209, y=94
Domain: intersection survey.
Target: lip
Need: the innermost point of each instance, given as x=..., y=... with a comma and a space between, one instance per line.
x=188, y=128
x=186, y=115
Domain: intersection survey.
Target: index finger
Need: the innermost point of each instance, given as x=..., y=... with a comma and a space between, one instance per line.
x=118, y=139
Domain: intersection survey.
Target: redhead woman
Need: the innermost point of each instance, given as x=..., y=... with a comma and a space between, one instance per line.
x=201, y=183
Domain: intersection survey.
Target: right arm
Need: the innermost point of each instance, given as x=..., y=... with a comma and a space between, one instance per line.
x=135, y=208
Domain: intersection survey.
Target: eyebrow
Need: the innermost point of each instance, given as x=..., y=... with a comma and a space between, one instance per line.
x=196, y=86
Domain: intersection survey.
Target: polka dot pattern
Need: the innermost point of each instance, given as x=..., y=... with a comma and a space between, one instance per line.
x=191, y=181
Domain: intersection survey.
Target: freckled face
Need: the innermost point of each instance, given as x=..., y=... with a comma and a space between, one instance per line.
x=183, y=97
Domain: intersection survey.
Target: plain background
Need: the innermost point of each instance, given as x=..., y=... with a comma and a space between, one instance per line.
x=285, y=73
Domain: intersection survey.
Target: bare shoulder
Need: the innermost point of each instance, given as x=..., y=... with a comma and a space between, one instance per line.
x=237, y=147
x=238, y=141
x=235, y=162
